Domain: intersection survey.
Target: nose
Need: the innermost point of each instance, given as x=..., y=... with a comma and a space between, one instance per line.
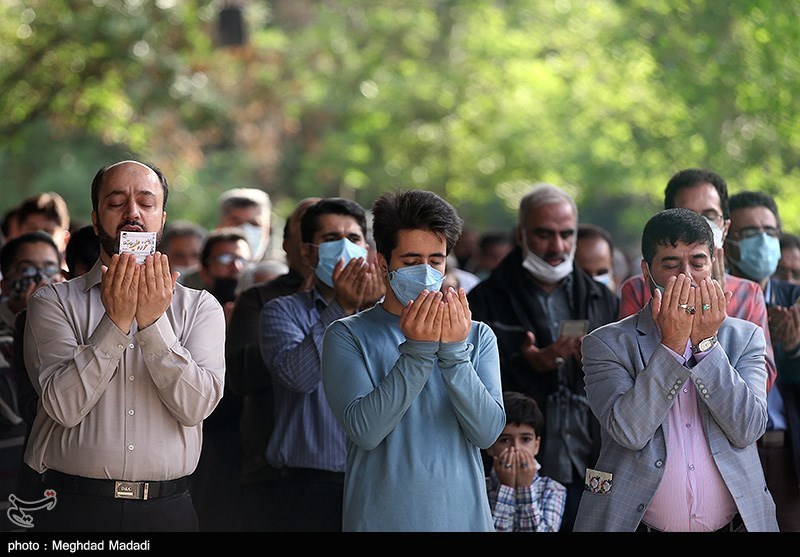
x=132, y=210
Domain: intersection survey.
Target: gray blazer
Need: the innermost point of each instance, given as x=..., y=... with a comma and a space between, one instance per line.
x=631, y=380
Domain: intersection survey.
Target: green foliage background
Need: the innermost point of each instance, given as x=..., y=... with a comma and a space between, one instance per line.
x=473, y=99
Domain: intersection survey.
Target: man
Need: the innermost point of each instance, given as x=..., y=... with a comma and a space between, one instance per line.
x=525, y=299
x=28, y=262
x=183, y=244
x=706, y=193
x=414, y=382
x=789, y=263
x=595, y=254
x=248, y=209
x=127, y=365
x=753, y=251
x=680, y=392
x=493, y=247
x=248, y=377
x=225, y=255
x=45, y=211
x=307, y=444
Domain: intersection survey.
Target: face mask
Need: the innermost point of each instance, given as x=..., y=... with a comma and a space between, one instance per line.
x=758, y=256
x=652, y=280
x=408, y=282
x=29, y=276
x=543, y=271
x=717, y=231
x=604, y=279
x=254, y=236
x=331, y=252
x=225, y=289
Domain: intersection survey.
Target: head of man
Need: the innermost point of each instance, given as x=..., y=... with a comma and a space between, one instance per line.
x=83, y=249
x=548, y=222
x=248, y=209
x=789, y=264
x=414, y=231
x=333, y=228
x=493, y=247
x=676, y=241
x=292, y=238
x=127, y=195
x=752, y=247
x=223, y=259
x=704, y=192
x=183, y=243
x=28, y=262
x=595, y=253
x=47, y=212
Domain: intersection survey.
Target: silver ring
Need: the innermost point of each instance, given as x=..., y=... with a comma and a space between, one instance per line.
x=524, y=465
x=706, y=307
x=507, y=465
x=683, y=306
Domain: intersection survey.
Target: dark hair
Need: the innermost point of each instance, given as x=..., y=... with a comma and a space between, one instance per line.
x=490, y=239
x=51, y=205
x=229, y=234
x=8, y=253
x=309, y=224
x=789, y=241
x=98, y=180
x=588, y=231
x=750, y=199
x=523, y=409
x=180, y=229
x=691, y=177
x=670, y=226
x=412, y=210
x=83, y=248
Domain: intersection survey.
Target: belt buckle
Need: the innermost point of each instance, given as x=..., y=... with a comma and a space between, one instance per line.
x=131, y=490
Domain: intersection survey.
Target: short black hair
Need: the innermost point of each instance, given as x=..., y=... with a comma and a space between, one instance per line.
x=8, y=253
x=98, y=180
x=412, y=210
x=228, y=234
x=588, y=231
x=670, y=226
x=690, y=177
x=522, y=409
x=309, y=224
x=751, y=199
x=83, y=247
x=789, y=241
x=179, y=229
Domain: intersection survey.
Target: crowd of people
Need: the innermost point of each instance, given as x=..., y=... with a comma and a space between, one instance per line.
x=404, y=374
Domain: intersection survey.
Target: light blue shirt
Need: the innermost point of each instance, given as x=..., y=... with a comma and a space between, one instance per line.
x=416, y=415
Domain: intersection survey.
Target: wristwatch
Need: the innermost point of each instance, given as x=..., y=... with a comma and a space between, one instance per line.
x=705, y=344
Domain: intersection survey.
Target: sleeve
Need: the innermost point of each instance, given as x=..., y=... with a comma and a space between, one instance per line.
x=504, y=507
x=474, y=388
x=189, y=373
x=369, y=412
x=290, y=348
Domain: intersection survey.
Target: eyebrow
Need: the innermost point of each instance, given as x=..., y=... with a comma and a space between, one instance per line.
x=125, y=192
x=693, y=257
x=417, y=254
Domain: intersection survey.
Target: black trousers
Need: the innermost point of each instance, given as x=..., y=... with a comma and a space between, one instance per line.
x=76, y=512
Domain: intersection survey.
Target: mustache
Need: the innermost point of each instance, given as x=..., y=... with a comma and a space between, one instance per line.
x=130, y=223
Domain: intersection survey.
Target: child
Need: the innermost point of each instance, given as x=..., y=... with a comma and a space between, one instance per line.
x=521, y=499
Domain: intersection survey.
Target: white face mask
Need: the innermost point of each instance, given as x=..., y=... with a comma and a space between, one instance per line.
x=542, y=270
x=605, y=279
x=255, y=238
x=717, y=231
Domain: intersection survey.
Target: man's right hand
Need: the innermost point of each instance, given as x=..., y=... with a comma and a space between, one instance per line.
x=422, y=318
x=546, y=359
x=670, y=314
x=119, y=289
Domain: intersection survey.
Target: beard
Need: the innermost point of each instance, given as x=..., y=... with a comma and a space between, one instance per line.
x=110, y=244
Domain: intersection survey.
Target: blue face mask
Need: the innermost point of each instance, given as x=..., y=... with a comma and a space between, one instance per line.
x=758, y=256
x=408, y=282
x=652, y=280
x=331, y=252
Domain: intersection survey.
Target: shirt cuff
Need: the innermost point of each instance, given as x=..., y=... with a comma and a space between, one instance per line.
x=109, y=338
x=453, y=352
x=158, y=337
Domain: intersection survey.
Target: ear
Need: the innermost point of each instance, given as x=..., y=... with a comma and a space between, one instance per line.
x=305, y=253
x=163, y=219
x=383, y=265
x=536, y=444
x=645, y=269
x=725, y=227
x=94, y=223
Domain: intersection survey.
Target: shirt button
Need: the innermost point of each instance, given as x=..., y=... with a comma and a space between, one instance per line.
x=688, y=425
x=130, y=345
x=130, y=378
x=659, y=463
x=691, y=467
x=130, y=412
x=120, y=347
x=130, y=447
x=685, y=390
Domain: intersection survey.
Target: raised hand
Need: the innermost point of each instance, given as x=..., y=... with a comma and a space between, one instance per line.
x=372, y=285
x=711, y=309
x=457, y=317
x=784, y=326
x=119, y=289
x=156, y=284
x=348, y=290
x=515, y=468
x=546, y=359
x=422, y=318
x=672, y=314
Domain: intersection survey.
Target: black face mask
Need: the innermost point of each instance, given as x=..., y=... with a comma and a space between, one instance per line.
x=225, y=289
x=29, y=276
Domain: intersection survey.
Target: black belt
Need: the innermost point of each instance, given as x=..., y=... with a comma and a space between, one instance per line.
x=732, y=526
x=118, y=489
x=313, y=475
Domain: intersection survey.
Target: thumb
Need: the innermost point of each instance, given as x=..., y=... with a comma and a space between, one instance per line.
x=175, y=275
x=655, y=303
x=530, y=339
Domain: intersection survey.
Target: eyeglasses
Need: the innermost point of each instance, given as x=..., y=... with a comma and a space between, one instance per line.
x=751, y=231
x=228, y=258
x=30, y=271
